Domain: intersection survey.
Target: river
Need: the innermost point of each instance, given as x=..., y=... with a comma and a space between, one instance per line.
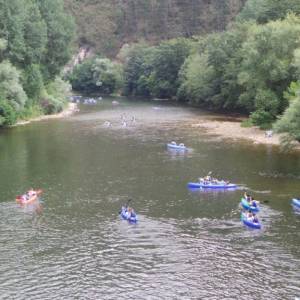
x=187, y=244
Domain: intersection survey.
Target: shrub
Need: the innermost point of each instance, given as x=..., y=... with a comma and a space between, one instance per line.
x=7, y=114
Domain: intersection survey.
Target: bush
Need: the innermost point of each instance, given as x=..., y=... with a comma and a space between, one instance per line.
x=262, y=118
x=51, y=105
x=247, y=123
x=7, y=114
x=30, y=112
x=289, y=122
x=97, y=75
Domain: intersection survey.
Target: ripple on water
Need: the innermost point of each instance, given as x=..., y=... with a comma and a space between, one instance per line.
x=139, y=261
x=79, y=249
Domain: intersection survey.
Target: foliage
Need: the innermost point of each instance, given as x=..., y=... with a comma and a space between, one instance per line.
x=247, y=123
x=107, y=25
x=54, y=96
x=155, y=70
x=33, y=82
x=60, y=34
x=7, y=114
x=197, y=80
x=289, y=122
x=35, y=41
x=51, y=105
x=137, y=70
x=31, y=111
x=96, y=75
x=209, y=76
x=248, y=68
x=168, y=58
x=264, y=11
x=10, y=87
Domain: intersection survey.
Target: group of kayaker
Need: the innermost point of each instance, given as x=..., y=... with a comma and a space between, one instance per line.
x=250, y=208
x=127, y=213
x=28, y=195
x=124, y=121
x=211, y=180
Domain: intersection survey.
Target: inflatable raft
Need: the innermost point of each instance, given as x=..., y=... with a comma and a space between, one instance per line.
x=130, y=217
x=220, y=185
x=22, y=199
x=175, y=146
x=250, y=223
x=296, y=203
x=245, y=204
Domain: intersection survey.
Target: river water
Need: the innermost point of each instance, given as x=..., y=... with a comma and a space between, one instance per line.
x=187, y=244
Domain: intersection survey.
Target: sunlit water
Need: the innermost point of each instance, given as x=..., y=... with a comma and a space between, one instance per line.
x=186, y=245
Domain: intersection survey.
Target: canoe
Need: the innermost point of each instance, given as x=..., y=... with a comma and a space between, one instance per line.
x=223, y=185
x=250, y=223
x=132, y=219
x=245, y=205
x=177, y=147
x=296, y=203
x=33, y=198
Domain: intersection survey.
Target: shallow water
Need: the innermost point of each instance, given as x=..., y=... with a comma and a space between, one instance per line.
x=186, y=245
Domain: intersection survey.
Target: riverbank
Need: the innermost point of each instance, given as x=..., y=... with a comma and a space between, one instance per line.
x=71, y=109
x=231, y=129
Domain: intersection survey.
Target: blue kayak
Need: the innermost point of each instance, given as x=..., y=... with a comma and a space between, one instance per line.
x=250, y=223
x=296, y=203
x=221, y=185
x=132, y=218
x=173, y=145
x=245, y=204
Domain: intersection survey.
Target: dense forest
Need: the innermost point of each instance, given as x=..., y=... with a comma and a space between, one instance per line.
x=35, y=43
x=108, y=24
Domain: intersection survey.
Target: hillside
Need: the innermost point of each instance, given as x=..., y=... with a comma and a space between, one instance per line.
x=107, y=24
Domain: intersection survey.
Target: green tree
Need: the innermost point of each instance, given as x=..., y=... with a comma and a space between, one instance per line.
x=10, y=86
x=12, y=20
x=264, y=11
x=33, y=82
x=137, y=70
x=35, y=34
x=197, y=78
x=60, y=34
x=267, y=66
x=96, y=75
x=289, y=122
x=167, y=62
x=8, y=115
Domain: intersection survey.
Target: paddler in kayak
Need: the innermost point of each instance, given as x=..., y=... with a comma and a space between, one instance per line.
x=31, y=192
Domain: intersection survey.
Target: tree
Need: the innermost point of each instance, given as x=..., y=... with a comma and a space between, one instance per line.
x=60, y=34
x=197, y=80
x=289, y=122
x=33, y=82
x=167, y=62
x=11, y=89
x=267, y=66
x=8, y=115
x=264, y=11
x=137, y=70
x=96, y=75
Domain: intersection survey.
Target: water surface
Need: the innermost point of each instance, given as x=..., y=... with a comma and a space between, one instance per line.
x=187, y=244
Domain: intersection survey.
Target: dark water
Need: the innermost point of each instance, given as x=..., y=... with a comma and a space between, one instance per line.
x=187, y=244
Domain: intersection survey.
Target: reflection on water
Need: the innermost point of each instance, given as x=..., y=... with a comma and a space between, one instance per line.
x=187, y=244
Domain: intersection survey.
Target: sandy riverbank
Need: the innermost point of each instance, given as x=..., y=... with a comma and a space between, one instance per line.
x=71, y=109
x=233, y=130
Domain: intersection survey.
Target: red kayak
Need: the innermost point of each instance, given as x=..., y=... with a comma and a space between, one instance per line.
x=23, y=199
